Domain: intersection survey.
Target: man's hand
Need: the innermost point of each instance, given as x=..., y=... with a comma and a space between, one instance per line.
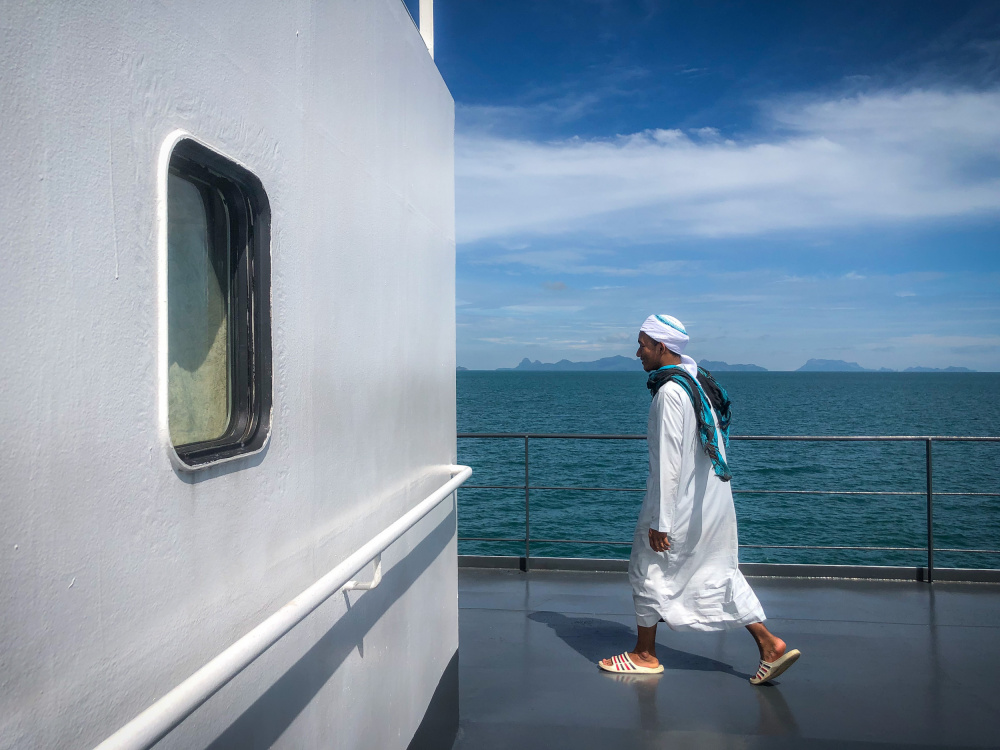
x=658, y=541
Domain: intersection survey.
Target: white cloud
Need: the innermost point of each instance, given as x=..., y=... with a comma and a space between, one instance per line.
x=886, y=157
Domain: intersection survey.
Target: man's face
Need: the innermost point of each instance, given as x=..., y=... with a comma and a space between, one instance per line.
x=649, y=353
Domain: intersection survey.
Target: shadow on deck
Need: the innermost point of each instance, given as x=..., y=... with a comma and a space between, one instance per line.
x=885, y=664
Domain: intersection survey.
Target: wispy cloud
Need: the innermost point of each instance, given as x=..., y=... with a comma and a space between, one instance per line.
x=542, y=309
x=874, y=158
x=554, y=104
x=582, y=262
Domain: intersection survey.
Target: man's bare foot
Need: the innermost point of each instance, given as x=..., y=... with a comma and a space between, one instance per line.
x=641, y=659
x=773, y=651
x=770, y=646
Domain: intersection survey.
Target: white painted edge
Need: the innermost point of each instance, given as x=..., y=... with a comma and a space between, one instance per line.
x=426, y=14
x=162, y=327
x=150, y=726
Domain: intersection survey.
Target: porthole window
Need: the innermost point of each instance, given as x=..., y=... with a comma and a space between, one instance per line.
x=218, y=316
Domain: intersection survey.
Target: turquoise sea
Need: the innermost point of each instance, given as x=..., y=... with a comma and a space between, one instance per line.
x=772, y=403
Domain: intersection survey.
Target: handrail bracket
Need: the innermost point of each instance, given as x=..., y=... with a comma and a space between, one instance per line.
x=375, y=581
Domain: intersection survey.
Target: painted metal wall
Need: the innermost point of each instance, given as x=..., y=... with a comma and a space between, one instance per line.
x=120, y=575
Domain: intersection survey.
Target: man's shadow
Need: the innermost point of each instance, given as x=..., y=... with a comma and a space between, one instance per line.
x=590, y=637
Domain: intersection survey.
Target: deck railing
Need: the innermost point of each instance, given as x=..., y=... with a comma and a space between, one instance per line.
x=929, y=494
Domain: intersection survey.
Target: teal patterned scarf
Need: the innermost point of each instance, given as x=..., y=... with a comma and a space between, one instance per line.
x=707, y=434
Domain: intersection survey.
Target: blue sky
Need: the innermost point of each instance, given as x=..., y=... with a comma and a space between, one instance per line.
x=791, y=180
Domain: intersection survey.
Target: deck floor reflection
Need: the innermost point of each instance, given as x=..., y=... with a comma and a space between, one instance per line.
x=885, y=664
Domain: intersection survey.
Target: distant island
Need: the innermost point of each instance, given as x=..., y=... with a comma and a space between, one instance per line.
x=938, y=369
x=839, y=365
x=607, y=364
x=615, y=364
x=831, y=365
x=631, y=364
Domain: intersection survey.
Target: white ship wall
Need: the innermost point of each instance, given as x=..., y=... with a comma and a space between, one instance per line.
x=122, y=575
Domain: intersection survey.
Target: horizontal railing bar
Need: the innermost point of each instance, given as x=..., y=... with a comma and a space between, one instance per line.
x=490, y=539
x=863, y=492
x=873, y=438
x=830, y=492
x=878, y=549
x=812, y=546
x=742, y=546
x=738, y=492
x=547, y=436
x=494, y=487
x=146, y=729
x=976, y=551
x=807, y=438
x=533, y=488
x=581, y=541
x=966, y=494
x=592, y=489
x=533, y=540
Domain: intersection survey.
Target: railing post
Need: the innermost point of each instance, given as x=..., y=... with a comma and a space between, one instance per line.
x=930, y=515
x=527, y=511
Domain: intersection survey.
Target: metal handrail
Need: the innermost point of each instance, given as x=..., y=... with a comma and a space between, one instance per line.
x=149, y=727
x=812, y=438
x=736, y=492
x=928, y=493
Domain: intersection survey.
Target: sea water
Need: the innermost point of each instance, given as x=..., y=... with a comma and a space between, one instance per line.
x=771, y=403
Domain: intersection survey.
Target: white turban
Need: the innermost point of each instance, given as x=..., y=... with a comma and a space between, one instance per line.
x=670, y=332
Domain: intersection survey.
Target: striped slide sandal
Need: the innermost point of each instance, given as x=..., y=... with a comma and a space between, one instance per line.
x=623, y=664
x=768, y=670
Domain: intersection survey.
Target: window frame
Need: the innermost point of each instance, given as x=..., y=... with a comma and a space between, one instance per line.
x=233, y=195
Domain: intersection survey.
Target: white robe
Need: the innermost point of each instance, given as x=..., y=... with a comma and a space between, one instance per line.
x=697, y=584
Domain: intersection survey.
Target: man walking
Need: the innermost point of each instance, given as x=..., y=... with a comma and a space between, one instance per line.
x=684, y=568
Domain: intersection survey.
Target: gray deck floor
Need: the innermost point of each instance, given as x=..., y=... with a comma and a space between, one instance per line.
x=885, y=664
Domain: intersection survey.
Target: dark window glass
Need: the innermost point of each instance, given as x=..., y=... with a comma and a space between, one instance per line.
x=218, y=287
